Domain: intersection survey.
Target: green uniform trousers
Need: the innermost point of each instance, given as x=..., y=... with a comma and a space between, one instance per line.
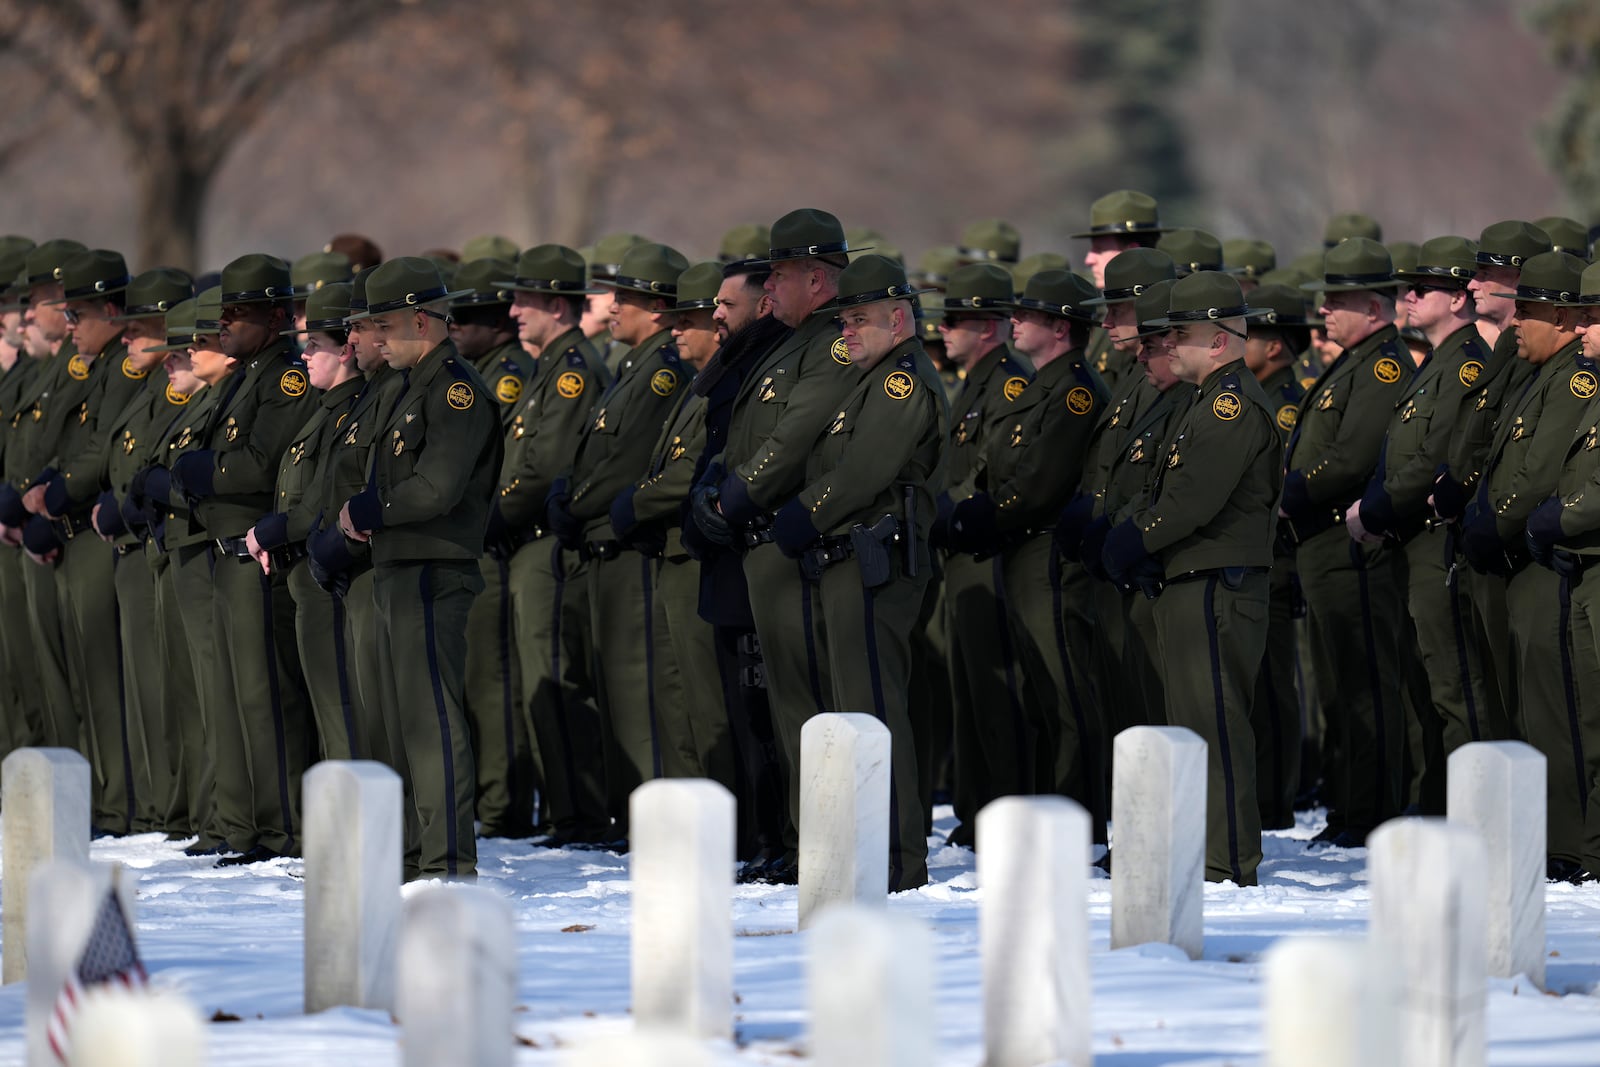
x=183, y=729
x=500, y=747
x=86, y=591
x=258, y=670
x=1492, y=636
x=62, y=727
x=1540, y=621
x=867, y=641
x=693, y=646
x=195, y=596
x=1581, y=767
x=322, y=640
x=799, y=685
x=994, y=754
x=1069, y=743
x=1353, y=593
x=149, y=753
x=25, y=706
x=1213, y=634
x=422, y=611
x=931, y=706
x=1275, y=708
x=362, y=652
x=556, y=659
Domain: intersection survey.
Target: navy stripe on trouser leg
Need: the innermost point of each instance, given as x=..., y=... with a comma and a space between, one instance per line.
x=1380, y=783
x=558, y=572
x=508, y=702
x=880, y=711
x=280, y=743
x=1088, y=744
x=346, y=703
x=650, y=664
x=1458, y=627
x=122, y=703
x=1002, y=609
x=1570, y=693
x=813, y=667
x=1225, y=751
x=447, y=747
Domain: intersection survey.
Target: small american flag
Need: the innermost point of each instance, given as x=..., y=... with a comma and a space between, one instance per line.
x=109, y=957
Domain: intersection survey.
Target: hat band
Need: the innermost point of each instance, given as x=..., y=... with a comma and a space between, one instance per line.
x=975, y=303
x=52, y=275
x=1208, y=314
x=1270, y=317
x=1535, y=292
x=305, y=289
x=696, y=305
x=1499, y=259
x=893, y=292
x=271, y=292
x=1066, y=311
x=987, y=254
x=1123, y=294
x=416, y=299
x=207, y=326
x=1589, y=298
x=496, y=296
x=1358, y=279
x=325, y=324
x=1460, y=274
x=105, y=285
x=555, y=285
x=645, y=285
x=1125, y=226
x=832, y=248
x=158, y=308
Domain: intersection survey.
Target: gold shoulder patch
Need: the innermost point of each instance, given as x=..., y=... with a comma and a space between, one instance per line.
x=1287, y=416
x=1468, y=374
x=77, y=368
x=570, y=385
x=1227, y=407
x=508, y=389
x=899, y=385
x=1014, y=387
x=459, y=396
x=840, y=352
x=293, y=382
x=1584, y=384
x=663, y=382
x=1386, y=371
x=175, y=397
x=1079, y=400
x=130, y=371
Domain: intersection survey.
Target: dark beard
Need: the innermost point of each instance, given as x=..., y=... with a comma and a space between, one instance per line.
x=744, y=345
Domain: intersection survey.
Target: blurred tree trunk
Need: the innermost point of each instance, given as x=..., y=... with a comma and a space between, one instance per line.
x=1571, y=136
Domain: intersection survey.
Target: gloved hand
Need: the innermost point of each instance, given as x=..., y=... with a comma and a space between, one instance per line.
x=1449, y=495
x=793, y=530
x=972, y=525
x=1124, y=551
x=192, y=474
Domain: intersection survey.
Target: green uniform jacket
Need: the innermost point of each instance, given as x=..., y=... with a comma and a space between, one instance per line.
x=345, y=471
x=1532, y=439
x=1214, y=503
x=1496, y=387
x=13, y=385
x=1108, y=361
x=507, y=369
x=542, y=439
x=988, y=400
x=670, y=474
x=1420, y=431
x=434, y=466
x=85, y=445
x=1342, y=420
x=1033, y=467
x=784, y=404
x=615, y=448
x=1140, y=447
x=46, y=407
x=263, y=403
x=1578, y=485
x=1111, y=428
x=129, y=444
x=1284, y=390
x=889, y=433
x=184, y=434
x=298, y=502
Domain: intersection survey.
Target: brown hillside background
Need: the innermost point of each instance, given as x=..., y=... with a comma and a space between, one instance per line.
x=423, y=124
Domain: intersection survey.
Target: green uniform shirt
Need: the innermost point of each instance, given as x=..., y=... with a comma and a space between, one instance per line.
x=1141, y=446
x=185, y=433
x=988, y=399
x=1578, y=485
x=119, y=390
x=1033, y=466
x=45, y=409
x=1532, y=440
x=670, y=474
x=1284, y=390
x=542, y=438
x=1214, y=503
x=1495, y=387
x=13, y=385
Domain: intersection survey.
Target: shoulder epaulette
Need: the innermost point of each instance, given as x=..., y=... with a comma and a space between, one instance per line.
x=908, y=361
x=669, y=354
x=575, y=358
x=458, y=370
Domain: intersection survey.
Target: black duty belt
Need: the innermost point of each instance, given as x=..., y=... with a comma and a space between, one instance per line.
x=759, y=532
x=287, y=556
x=71, y=526
x=234, y=546
x=601, y=550
x=1299, y=531
x=827, y=552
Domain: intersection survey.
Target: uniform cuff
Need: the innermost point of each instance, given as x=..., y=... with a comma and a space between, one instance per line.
x=366, y=511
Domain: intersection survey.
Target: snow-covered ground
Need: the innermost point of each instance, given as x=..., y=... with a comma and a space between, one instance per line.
x=231, y=940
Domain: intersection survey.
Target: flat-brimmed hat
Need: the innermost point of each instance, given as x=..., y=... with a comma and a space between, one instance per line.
x=358, y=295
x=1060, y=293
x=208, y=312
x=1150, y=305
x=155, y=292
x=488, y=246
x=44, y=262
x=256, y=278
x=1549, y=278
x=862, y=238
x=1279, y=305
x=404, y=282
x=1124, y=213
x=980, y=289
x=1248, y=257
x=311, y=272
x=809, y=233
x=1131, y=272
x=1588, y=288
x=483, y=281
x=605, y=255
x=698, y=286
x=934, y=268
x=325, y=310
x=1353, y=265
x=1350, y=224
x=1024, y=269
x=745, y=242
x=1447, y=262
x=93, y=274
x=874, y=278
x=180, y=327
x=13, y=274
x=1566, y=235
x=1205, y=296
x=1403, y=255
x=929, y=316
x=1511, y=243
x=551, y=269
x=990, y=241
x=649, y=268
x=1192, y=250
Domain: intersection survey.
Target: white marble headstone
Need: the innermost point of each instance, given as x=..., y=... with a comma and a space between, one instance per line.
x=1328, y=1002
x=1497, y=789
x=1158, y=818
x=1428, y=917
x=67, y=896
x=681, y=862
x=116, y=1027
x=458, y=974
x=640, y=1049
x=1033, y=932
x=44, y=810
x=353, y=842
x=872, y=981
x=844, y=812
